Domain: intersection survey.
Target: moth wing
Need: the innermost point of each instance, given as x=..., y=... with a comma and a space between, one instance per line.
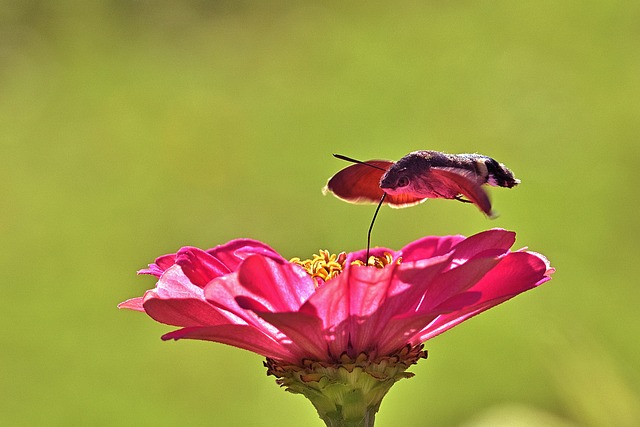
x=359, y=183
x=398, y=201
x=466, y=183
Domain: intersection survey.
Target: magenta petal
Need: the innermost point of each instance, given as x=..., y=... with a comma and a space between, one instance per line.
x=358, y=291
x=445, y=322
x=162, y=263
x=405, y=293
x=368, y=289
x=153, y=270
x=199, y=266
x=495, y=238
x=449, y=283
x=422, y=300
x=357, y=305
x=184, y=312
x=458, y=302
x=234, y=252
x=174, y=284
x=247, y=303
x=280, y=287
x=241, y=336
x=429, y=247
x=516, y=273
x=456, y=292
x=223, y=292
x=165, y=261
x=399, y=331
x=178, y=302
x=304, y=330
x=346, y=302
x=229, y=255
x=263, y=284
x=330, y=303
x=132, y=304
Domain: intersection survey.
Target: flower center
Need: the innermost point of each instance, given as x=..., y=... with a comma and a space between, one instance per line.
x=325, y=266
x=378, y=261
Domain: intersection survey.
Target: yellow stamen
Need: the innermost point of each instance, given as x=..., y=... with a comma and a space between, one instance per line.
x=378, y=262
x=325, y=266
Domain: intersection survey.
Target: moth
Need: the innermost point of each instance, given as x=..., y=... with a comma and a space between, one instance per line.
x=419, y=176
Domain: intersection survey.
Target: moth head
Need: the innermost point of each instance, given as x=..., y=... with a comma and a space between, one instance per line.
x=403, y=175
x=395, y=181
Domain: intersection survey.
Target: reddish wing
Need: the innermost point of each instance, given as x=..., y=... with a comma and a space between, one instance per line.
x=468, y=186
x=359, y=183
x=402, y=200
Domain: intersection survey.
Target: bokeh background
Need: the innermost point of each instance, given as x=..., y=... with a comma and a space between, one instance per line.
x=131, y=128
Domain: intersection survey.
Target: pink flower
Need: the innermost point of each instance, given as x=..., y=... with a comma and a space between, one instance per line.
x=245, y=294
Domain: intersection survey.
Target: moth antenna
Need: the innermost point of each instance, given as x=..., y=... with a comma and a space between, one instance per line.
x=373, y=220
x=349, y=159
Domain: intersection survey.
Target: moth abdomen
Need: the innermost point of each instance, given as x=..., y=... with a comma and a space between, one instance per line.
x=498, y=174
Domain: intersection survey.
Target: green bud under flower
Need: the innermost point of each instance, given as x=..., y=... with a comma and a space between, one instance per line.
x=348, y=392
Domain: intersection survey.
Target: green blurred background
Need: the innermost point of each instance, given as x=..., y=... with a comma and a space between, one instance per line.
x=129, y=129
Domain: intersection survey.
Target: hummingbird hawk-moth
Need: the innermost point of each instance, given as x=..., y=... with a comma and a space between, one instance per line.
x=419, y=176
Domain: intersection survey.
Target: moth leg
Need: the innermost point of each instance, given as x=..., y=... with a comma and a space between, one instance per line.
x=460, y=198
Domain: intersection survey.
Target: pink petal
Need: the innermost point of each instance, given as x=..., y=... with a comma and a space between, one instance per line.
x=305, y=332
x=344, y=302
x=367, y=289
x=464, y=248
x=414, y=280
x=262, y=284
x=416, y=289
x=165, y=261
x=516, y=273
x=132, y=304
x=184, y=312
x=495, y=238
x=411, y=310
x=451, y=282
x=241, y=336
x=234, y=252
x=357, y=305
x=395, y=296
x=230, y=255
x=199, y=266
x=162, y=263
x=174, y=284
x=399, y=331
x=224, y=292
x=428, y=247
x=284, y=287
x=455, y=291
x=176, y=301
x=330, y=303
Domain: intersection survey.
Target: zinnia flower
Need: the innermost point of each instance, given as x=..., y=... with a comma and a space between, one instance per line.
x=334, y=328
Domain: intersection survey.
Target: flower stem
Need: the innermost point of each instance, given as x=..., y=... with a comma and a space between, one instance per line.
x=337, y=419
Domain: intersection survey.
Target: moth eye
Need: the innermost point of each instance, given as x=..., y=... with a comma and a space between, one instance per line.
x=403, y=181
